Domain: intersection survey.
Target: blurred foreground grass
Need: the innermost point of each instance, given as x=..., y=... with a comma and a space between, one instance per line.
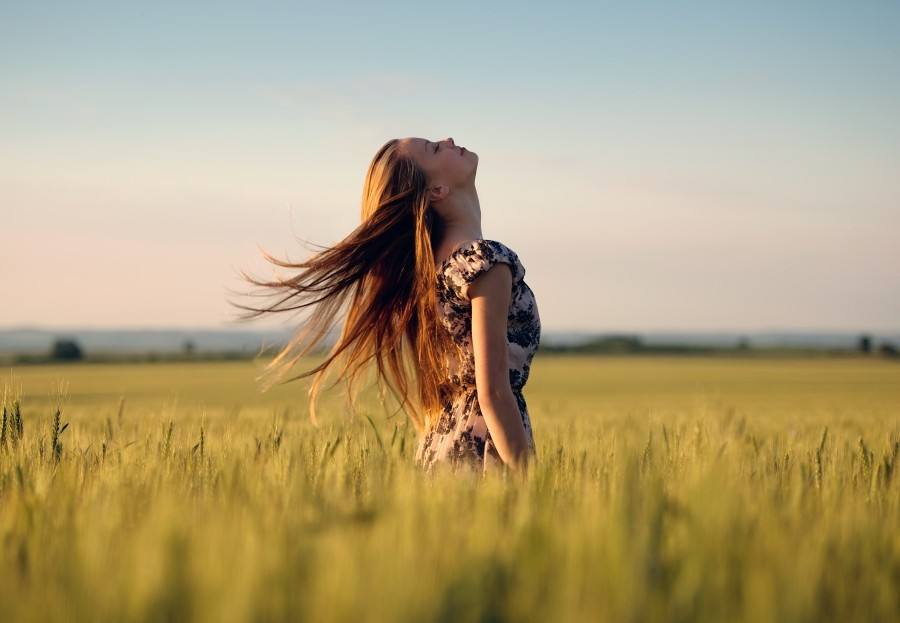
x=666, y=489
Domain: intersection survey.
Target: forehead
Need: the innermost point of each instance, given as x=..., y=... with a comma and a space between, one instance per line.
x=414, y=145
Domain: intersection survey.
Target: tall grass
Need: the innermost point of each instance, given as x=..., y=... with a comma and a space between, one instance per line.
x=664, y=490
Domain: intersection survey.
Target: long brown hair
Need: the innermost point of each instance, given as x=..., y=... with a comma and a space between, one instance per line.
x=386, y=267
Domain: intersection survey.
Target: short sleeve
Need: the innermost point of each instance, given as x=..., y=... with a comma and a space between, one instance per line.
x=475, y=258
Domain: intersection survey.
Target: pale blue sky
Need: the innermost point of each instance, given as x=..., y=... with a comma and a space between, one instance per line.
x=683, y=166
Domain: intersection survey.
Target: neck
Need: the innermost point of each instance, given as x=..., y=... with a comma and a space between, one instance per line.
x=461, y=214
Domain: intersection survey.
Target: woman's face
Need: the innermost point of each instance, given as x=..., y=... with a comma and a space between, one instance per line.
x=444, y=162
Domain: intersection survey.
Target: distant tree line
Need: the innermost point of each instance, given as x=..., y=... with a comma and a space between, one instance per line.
x=633, y=344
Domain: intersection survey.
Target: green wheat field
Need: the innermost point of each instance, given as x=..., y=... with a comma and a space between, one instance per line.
x=665, y=489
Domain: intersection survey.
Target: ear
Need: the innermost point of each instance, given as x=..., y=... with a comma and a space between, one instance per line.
x=438, y=192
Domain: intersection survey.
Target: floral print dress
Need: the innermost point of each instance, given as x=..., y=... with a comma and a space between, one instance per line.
x=461, y=436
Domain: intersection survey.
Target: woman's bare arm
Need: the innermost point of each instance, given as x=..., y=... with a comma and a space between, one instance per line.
x=491, y=295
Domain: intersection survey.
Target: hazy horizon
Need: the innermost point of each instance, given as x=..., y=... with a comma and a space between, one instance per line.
x=890, y=333
x=681, y=168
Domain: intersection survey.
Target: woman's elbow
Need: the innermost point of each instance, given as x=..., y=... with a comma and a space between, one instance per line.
x=496, y=395
x=494, y=392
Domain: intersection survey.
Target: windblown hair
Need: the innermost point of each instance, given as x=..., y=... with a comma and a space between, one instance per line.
x=386, y=268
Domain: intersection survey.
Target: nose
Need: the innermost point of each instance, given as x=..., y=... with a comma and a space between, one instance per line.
x=451, y=142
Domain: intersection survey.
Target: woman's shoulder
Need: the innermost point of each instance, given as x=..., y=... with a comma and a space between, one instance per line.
x=475, y=257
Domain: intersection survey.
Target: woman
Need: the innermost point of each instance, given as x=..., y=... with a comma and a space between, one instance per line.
x=431, y=301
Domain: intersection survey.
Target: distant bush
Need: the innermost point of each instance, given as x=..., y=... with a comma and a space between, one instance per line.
x=865, y=343
x=66, y=350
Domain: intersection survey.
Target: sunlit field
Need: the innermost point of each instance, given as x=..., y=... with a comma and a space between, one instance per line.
x=665, y=489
